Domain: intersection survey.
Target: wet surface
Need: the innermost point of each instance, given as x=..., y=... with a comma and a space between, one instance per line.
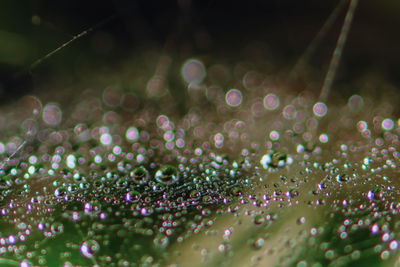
x=257, y=174
x=195, y=159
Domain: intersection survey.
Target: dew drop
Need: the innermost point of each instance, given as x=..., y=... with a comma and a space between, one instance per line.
x=258, y=243
x=271, y=102
x=52, y=114
x=320, y=109
x=132, y=196
x=139, y=175
x=167, y=175
x=89, y=248
x=233, y=98
x=161, y=241
x=387, y=124
x=193, y=71
x=57, y=228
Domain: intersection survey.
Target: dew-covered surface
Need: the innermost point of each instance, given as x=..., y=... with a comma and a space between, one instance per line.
x=252, y=171
x=255, y=174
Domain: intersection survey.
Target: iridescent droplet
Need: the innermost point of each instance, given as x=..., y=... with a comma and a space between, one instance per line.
x=139, y=175
x=89, y=248
x=167, y=175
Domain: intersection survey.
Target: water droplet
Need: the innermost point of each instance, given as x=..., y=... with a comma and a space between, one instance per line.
x=233, y=98
x=193, y=71
x=139, y=175
x=387, y=124
x=132, y=196
x=320, y=109
x=301, y=220
x=271, y=102
x=161, y=241
x=258, y=243
x=52, y=114
x=57, y=228
x=89, y=248
x=167, y=175
x=341, y=178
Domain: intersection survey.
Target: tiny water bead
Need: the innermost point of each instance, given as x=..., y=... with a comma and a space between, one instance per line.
x=167, y=174
x=106, y=139
x=356, y=102
x=89, y=248
x=271, y=102
x=57, y=228
x=52, y=114
x=233, y=98
x=387, y=124
x=139, y=175
x=133, y=196
x=161, y=241
x=275, y=160
x=320, y=109
x=132, y=134
x=341, y=178
x=274, y=135
x=323, y=138
x=193, y=71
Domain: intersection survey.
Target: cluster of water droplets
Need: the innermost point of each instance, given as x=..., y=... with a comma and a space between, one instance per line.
x=119, y=178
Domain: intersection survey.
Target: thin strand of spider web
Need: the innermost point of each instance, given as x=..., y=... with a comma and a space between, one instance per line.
x=337, y=53
x=76, y=37
x=2, y=165
x=317, y=39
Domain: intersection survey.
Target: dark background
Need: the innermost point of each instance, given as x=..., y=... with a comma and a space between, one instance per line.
x=31, y=29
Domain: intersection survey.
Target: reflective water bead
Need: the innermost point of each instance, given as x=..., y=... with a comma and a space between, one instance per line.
x=167, y=175
x=139, y=175
x=89, y=248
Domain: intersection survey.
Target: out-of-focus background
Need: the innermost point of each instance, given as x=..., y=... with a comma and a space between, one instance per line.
x=274, y=33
